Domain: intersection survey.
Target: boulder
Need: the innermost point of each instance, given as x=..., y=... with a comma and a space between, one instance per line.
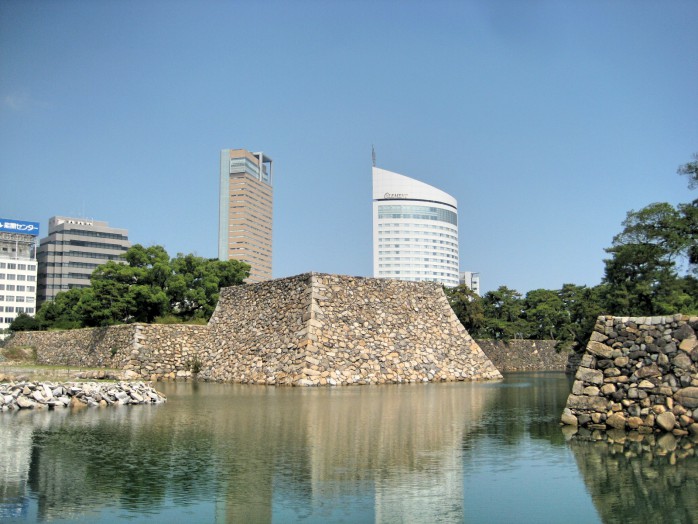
x=568, y=418
x=590, y=376
x=599, y=349
x=617, y=420
x=666, y=421
x=581, y=402
x=687, y=397
x=683, y=332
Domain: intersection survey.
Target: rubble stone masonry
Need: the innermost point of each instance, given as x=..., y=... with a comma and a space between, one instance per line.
x=311, y=329
x=638, y=373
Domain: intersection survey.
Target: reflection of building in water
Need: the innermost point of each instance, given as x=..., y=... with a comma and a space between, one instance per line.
x=404, y=440
x=254, y=428
x=292, y=453
x=15, y=456
x=260, y=453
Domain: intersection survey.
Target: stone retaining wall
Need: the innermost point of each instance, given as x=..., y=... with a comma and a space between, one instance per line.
x=89, y=347
x=153, y=351
x=525, y=355
x=319, y=329
x=638, y=373
x=311, y=329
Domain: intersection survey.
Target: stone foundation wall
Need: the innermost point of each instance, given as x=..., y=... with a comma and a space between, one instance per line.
x=89, y=347
x=312, y=329
x=525, y=355
x=638, y=374
x=318, y=329
x=148, y=351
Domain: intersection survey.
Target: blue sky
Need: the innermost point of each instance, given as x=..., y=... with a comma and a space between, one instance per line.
x=547, y=121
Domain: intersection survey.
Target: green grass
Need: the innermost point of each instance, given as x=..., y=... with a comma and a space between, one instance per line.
x=43, y=372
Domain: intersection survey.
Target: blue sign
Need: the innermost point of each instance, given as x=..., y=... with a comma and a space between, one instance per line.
x=19, y=226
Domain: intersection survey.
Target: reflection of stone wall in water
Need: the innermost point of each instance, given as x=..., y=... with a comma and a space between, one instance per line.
x=640, y=480
x=312, y=329
x=638, y=374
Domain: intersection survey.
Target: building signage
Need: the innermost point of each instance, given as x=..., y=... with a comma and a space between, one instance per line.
x=395, y=195
x=19, y=226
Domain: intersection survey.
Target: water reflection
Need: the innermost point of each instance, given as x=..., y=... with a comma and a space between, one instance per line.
x=399, y=453
x=637, y=478
x=253, y=452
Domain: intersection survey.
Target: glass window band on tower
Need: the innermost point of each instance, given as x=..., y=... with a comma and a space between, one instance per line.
x=415, y=230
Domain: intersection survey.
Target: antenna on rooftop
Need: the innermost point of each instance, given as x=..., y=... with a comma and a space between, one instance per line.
x=373, y=155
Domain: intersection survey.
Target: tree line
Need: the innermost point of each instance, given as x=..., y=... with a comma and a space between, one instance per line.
x=651, y=270
x=148, y=286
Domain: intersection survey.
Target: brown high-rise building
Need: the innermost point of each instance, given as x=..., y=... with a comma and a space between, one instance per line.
x=245, y=211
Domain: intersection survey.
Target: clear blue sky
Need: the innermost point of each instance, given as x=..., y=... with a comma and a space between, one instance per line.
x=547, y=121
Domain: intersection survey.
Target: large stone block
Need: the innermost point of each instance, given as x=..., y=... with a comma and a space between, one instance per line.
x=590, y=376
x=584, y=403
x=599, y=349
x=687, y=397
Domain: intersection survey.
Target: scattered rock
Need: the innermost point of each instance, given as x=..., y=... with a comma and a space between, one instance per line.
x=29, y=395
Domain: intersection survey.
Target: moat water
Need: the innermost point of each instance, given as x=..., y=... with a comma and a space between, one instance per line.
x=462, y=452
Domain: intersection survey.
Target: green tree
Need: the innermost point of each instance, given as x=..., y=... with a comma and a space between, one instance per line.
x=195, y=283
x=24, y=322
x=690, y=170
x=582, y=305
x=657, y=242
x=640, y=280
x=61, y=312
x=467, y=306
x=503, y=311
x=147, y=285
x=544, y=314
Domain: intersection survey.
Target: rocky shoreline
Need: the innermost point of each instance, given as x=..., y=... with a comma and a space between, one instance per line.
x=58, y=395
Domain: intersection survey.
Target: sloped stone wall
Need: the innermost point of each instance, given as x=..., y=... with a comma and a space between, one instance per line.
x=319, y=329
x=148, y=351
x=88, y=347
x=311, y=329
x=525, y=355
x=638, y=373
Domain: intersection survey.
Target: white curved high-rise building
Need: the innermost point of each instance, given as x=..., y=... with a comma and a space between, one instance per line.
x=415, y=230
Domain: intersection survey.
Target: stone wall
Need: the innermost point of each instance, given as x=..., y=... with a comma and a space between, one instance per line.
x=525, y=355
x=149, y=351
x=89, y=347
x=318, y=329
x=312, y=329
x=638, y=374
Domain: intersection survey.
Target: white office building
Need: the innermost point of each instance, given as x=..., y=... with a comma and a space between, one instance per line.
x=472, y=280
x=415, y=230
x=18, y=270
